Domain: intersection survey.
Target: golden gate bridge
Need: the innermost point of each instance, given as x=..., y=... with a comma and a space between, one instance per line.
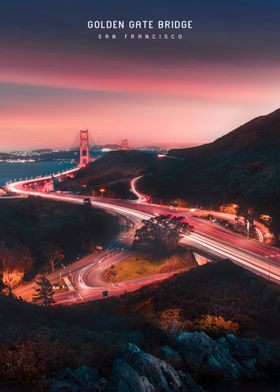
x=84, y=143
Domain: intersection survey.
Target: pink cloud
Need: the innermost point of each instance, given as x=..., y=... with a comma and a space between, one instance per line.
x=125, y=75
x=160, y=103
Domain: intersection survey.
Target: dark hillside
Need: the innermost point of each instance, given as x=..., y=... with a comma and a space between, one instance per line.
x=242, y=167
x=32, y=227
x=113, y=172
x=216, y=290
x=258, y=134
x=219, y=298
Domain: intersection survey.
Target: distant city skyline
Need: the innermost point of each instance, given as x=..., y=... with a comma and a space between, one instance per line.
x=56, y=77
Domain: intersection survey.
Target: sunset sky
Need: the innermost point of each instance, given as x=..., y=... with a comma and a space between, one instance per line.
x=56, y=77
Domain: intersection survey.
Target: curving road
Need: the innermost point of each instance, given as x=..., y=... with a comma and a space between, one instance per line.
x=86, y=274
x=209, y=237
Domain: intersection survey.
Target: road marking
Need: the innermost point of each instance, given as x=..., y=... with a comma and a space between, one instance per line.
x=80, y=296
x=68, y=283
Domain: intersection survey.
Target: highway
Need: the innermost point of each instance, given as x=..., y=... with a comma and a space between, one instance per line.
x=211, y=238
x=86, y=273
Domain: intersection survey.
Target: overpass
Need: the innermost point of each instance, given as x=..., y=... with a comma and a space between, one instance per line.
x=211, y=238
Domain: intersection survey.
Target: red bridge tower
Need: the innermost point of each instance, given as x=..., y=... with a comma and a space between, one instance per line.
x=125, y=145
x=84, y=148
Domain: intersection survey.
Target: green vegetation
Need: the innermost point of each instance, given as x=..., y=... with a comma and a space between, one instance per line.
x=217, y=298
x=241, y=167
x=162, y=233
x=158, y=251
x=113, y=172
x=44, y=292
x=37, y=235
x=142, y=264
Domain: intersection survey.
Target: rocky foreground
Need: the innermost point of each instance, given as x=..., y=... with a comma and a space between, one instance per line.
x=198, y=363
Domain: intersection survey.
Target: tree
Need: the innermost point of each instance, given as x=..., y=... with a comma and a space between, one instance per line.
x=2, y=285
x=44, y=292
x=162, y=232
x=53, y=253
x=14, y=263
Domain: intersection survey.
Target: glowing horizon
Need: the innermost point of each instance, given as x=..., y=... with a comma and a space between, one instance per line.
x=56, y=80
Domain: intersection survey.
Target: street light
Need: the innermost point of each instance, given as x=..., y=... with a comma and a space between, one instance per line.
x=102, y=191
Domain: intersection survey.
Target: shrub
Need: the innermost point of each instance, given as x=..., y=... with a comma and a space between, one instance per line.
x=213, y=325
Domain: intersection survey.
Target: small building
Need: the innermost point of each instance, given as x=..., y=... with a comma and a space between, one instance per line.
x=2, y=191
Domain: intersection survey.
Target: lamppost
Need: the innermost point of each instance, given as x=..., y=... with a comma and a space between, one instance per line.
x=248, y=228
x=102, y=191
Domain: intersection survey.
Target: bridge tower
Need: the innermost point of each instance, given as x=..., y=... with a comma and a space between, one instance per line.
x=84, y=148
x=124, y=145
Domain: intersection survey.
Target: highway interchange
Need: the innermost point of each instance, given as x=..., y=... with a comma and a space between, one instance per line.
x=210, y=238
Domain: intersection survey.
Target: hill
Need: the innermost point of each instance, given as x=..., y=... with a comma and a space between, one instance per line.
x=248, y=303
x=257, y=135
x=32, y=230
x=38, y=343
x=241, y=167
x=113, y=172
